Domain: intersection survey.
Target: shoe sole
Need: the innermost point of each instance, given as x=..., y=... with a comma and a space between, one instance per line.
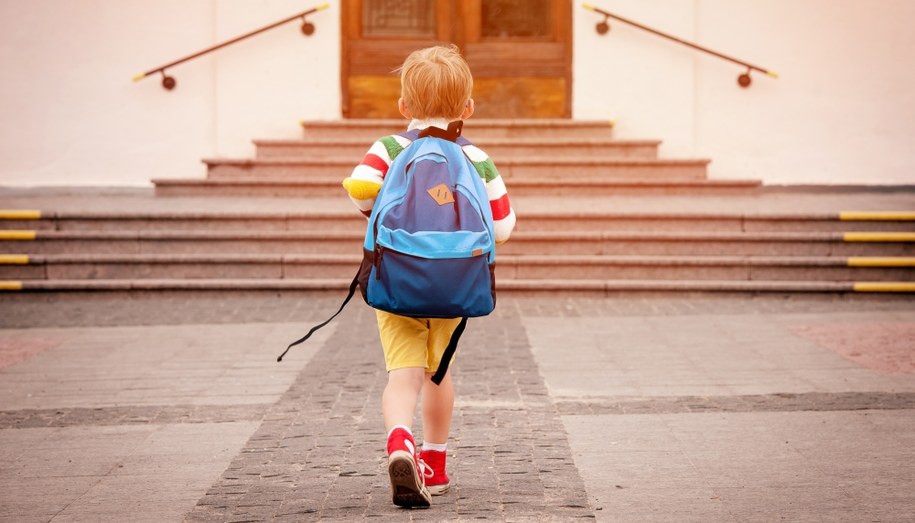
x=407, y=489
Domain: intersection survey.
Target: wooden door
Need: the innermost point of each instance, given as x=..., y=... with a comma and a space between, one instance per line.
x=519, y=52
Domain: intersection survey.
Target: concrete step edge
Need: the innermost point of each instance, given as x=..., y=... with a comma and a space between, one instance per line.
x=563, y=161
x=686, y=236
x=503, y=285
x=396, y=123
x=502, y=261
x=13, y=215
x=707, y=285
x=547, y=183
x=495, y=141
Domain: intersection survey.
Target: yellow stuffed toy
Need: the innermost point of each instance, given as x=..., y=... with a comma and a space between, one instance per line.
x=361, y=189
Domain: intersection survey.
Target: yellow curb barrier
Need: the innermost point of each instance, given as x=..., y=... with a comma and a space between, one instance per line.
x=879, y=236
x=903, y=216
x=10, y=285
x=17, y=235
x=20, y=214
x=14, y=259
x=881, y=286
x=888, y=261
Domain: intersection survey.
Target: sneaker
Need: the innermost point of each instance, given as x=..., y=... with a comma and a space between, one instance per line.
x=438, y=482
x=408, y=486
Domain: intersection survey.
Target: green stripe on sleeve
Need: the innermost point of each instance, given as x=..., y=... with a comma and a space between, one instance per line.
x=487, y=170
x=392, y=146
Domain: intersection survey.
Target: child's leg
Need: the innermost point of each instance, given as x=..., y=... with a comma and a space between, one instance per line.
x=398, y=403
x=438, y=400
x=404, y=342
x=438, y=406
x=404, y=468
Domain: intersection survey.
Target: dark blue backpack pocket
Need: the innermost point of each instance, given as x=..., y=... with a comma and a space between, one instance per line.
x=464, y=286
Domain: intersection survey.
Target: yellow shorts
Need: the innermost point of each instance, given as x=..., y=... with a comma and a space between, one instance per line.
x=414, y=342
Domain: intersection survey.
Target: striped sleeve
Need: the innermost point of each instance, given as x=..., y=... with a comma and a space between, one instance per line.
x=502, y=213
x=363, y=184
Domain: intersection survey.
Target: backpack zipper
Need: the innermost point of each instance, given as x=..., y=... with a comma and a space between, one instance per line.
x=379, y=251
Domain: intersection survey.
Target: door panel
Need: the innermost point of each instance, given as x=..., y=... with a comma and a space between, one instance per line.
x=494, y=59
x=519, y=52
x=373, y=96
x=519, y=97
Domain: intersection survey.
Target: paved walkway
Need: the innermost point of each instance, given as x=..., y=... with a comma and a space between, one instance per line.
x=161, y=408
x=641, y=409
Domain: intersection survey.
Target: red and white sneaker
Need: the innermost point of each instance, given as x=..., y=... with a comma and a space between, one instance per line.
x=408, y=486
x=438, y=482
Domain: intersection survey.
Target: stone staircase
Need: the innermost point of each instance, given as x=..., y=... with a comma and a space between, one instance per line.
x=687, y=234
x=536, y=157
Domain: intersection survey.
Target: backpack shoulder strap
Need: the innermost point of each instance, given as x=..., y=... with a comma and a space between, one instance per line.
x=452, y=134
x=411, y=135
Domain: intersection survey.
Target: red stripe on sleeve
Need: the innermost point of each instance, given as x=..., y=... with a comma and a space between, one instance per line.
x=375, y=162
x=500, y=208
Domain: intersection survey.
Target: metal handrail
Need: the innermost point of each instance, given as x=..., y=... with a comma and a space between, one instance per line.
x=169, y=82
x=743, y=80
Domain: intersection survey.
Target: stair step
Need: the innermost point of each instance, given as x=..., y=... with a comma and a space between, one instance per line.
x=710, y=243
x=314, y=266
x=504, y=287
x=346, y=219
x=720, y=222
x=264, y=186
x=476, y=129
x=626, y=169
x=502, y=149
x=707, y=243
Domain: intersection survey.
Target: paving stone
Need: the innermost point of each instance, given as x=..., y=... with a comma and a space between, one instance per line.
x=341, y=388
x=522, y=450
x=813, y=402
x=177, y=308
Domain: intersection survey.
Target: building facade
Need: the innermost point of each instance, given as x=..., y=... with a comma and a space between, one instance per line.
x=841, y=112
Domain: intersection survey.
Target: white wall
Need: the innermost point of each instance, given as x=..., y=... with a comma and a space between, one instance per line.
x=642, y=82
x=70, y=114
x=266, y=85
x=843, y=110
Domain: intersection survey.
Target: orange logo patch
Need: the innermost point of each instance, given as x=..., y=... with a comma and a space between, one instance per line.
x=441, y=194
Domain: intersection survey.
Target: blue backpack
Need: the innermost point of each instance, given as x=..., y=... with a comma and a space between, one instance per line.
x=429, y=249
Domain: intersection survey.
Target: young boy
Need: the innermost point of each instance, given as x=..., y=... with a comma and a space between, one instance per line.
x=436, y=85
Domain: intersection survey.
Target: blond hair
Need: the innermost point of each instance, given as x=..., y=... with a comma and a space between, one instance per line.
x=435, y=82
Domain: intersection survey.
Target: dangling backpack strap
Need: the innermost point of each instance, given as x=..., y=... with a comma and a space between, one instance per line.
x=449, y=352
x=349, y=296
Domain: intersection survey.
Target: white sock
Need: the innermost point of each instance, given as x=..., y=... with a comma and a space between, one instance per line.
x=438, y=447
x=395, y=427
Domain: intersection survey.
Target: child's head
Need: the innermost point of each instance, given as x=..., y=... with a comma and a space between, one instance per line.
x=436, y=83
